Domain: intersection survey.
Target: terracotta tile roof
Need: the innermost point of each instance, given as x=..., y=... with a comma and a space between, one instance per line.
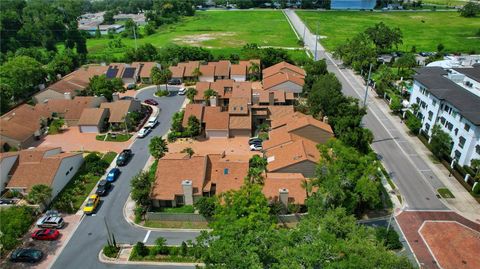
x=278, y=96
x=238, y=105
x=177, y=71
x=280, y=78
x=70, y=109
x=290, y=181
x=227, y=172
x=308, y=120
x=292, y=153
x=201, y=87
x=242, y=89
x=145, y=68
x=207, y=70
x=283, y=67
x=222, y=68
x=223, y=87
x=238, y=70
x=240, y=122
x=36, y=168
x=192, y=110
x=281, y=120
x=190, y=68
x=22, y=122
x=78, y=79
x=248, y=63
x=118, y=110
x=276, y=138
x=172, y=170
x=289, y=96
x=215, y=119
x=92, y=116
x=277, y=112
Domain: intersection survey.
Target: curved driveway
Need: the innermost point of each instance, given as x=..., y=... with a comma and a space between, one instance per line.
x=91, y=234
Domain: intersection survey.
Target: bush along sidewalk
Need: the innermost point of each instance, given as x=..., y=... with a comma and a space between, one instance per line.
x=162, y=253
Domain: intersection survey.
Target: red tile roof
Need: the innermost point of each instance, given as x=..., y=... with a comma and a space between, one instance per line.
x=192, y=110
x=238, y=70
x=279, y=78
x=283, y=67
x=292, y=153
x=290, y=181
x=215, y=119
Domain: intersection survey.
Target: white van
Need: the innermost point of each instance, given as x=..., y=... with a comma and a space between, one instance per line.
x=182, y=91
x=152, y=122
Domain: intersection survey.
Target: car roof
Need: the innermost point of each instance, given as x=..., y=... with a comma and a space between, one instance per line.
x=114, y=169
x=93, y=196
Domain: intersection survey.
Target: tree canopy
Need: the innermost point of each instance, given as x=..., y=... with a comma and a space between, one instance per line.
x=102, y=86
x=158, y=147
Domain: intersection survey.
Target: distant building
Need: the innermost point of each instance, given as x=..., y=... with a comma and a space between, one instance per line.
x=352, y=4
x=139, y=19
x=451, y=99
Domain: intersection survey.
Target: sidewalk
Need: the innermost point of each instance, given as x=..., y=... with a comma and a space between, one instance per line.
x=463, y=203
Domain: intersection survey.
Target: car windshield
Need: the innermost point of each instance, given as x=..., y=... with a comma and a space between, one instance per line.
x=90, y=202
x=111, y=174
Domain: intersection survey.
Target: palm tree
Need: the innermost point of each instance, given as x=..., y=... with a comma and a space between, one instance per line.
x=189, y=151
x=308, y=186
x=415, y=108
x=40, y=194
x=475, y=164
x=196, y=73
x=209, y=93
x=254, y=68
x=158, y=147
x=255, y=176
x=191, y=92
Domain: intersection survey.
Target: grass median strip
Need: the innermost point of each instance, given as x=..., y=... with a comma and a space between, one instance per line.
x=115, y=138
x=445, y=193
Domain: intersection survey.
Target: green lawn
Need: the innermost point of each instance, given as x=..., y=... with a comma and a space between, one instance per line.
x=221, y=31
x=445, y=2
x=117, y=138
x=421, y=29
x=175, y=224
x=445, y=193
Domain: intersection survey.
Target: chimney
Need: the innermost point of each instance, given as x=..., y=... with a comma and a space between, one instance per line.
x=68, y=95
x=271, y=98
x=325, y=119
x=283, y=194
x=255, y=98
x=115, y=96
x=187, y=192
x=213, y=101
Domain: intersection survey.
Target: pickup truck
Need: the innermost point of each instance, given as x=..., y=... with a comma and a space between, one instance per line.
x=124, y=156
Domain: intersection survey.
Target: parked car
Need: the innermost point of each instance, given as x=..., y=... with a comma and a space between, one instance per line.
x=92, y=204
x=113, y=175
x=103, y=187
x=152, y=122
x=254, y=140
x=53, y=213
x=174, y=81
x=123, y=157
x=8, y=201
x=50, y=222
x=143, y=132
x=256, y=147
x=46, y=234
x=182, y=91
x=30, y=255
x=151, y=102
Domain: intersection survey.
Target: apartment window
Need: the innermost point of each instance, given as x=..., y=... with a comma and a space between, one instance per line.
x=456, y=131
x=68, y=172
x=225, y=171
x=467, y=127
x=458, y=154
x=427, y=127
x=418, y=100
x=442, y=120
x=454, y=113
x=449, y=126
x=461, y=141
x=477, y=149
x=430, y=115
x=434, y=102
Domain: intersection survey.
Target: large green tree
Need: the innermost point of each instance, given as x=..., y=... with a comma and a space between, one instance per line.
x=101, y=85
x=384, y=37
x=440, y=142
x=22, y=74
x=40, y=194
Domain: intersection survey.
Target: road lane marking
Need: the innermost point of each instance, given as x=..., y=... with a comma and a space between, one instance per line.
x=146, y=236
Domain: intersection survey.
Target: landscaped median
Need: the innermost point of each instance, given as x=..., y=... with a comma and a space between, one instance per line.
x=152, y=254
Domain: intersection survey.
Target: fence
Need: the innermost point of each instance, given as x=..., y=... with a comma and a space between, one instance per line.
x=192, y=217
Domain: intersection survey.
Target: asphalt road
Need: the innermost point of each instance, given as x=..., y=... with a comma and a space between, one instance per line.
x=91, y=234
x=411, y=174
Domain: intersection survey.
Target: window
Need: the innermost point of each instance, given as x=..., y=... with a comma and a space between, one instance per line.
x=442, y=120
x=434, y=102
x=458, y=154
x=454, y=113
x=68, y=172
x=467, y=127
x=225, y=171
x=449, y=126
x=456, y=131
x=430, y=115
x=418, y=100
x=427, y=127
x=477, y=149
x=461, y=142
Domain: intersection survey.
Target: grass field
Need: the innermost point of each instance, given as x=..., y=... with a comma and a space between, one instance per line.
x=222, y=31
x=425, y=30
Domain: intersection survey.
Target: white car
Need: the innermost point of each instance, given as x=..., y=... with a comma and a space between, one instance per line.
x=256, y=147
x=152, y=122
x=182, y=91
x=143, y=132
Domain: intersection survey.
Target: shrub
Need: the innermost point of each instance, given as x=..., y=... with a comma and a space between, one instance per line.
x=140, y=250
x=16, y=221
x=110, y=251
x=161, y=93
x=476, y=188
x=206, y=206
x=160, y=246
x=263, y=136
x=391, y=239
x=413, y=123
x=184, y=249
x=139, y=211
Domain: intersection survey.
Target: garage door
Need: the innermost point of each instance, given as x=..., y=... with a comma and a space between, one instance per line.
x=240, y=133
x=217, y=134
x=88, y=129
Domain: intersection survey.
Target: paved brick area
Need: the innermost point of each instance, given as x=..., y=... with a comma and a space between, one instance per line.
x=441, y=239
x=463, y=244
x=72, y=140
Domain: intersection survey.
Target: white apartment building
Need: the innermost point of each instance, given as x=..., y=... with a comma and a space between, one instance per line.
x=451, y=99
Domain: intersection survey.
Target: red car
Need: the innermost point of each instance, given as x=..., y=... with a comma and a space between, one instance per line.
x=151, y=102
x=46, y=234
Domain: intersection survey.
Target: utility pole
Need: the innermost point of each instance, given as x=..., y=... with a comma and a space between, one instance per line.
x=316, y=42
x=366, y=88
x=135, y=35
